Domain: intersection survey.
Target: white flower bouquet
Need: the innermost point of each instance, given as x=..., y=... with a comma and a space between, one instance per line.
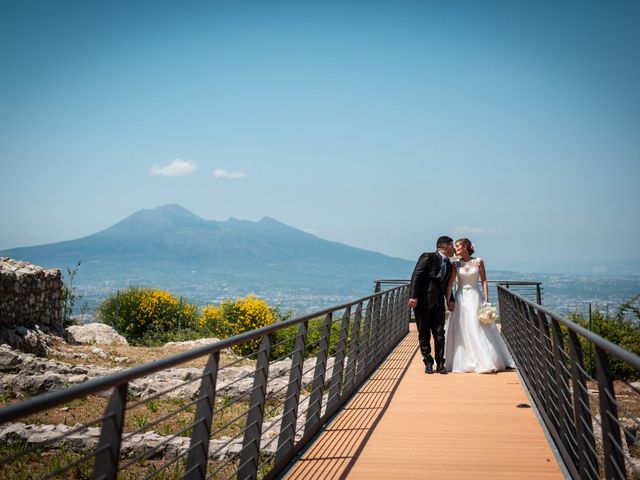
x=487, y=314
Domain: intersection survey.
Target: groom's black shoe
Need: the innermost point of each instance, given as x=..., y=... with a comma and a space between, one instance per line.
x=428, y=368
x=441, y=369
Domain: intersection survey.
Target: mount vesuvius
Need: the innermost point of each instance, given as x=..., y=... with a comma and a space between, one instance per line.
x=172, y=248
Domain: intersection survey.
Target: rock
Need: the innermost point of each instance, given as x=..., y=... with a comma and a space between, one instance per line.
x=168, y=448
x=96, y=334
x=99, y=352
x=24, y=372
x=121, y=359
x=191, y=343
x=49, y=436
x=37, y=384
x=77, y=378
x=30, y=339
x=10, y=361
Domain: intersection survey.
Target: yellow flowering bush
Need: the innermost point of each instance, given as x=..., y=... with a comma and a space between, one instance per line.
x=237, y=316
x=138, y=312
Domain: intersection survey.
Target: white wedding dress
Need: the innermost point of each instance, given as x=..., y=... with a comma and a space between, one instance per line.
x=471, y=346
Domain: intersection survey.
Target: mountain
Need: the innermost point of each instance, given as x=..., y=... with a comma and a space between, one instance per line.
x=170, y=247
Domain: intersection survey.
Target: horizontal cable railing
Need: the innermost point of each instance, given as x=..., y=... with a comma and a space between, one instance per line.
x=582, y=386
x=238, y=416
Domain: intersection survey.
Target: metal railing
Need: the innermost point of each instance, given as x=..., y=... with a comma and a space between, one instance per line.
x=530, y=290
x=253, y=431
x=594, y=420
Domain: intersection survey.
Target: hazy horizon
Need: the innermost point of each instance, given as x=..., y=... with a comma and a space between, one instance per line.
x=376, y=125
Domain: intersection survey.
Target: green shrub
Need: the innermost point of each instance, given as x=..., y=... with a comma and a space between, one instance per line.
x=618, y=329
x=233, y=317
x=142, y=315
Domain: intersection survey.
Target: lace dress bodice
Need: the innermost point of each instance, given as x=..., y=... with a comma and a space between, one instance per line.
x=468, y=273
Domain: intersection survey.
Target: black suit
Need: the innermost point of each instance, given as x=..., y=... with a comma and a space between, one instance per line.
x=429, y=285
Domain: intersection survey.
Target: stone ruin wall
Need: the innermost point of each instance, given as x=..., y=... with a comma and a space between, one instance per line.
x=29, y=295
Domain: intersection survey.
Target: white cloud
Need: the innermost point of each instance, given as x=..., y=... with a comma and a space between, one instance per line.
x=233, y=174
x=177, y=168
x=467, y=229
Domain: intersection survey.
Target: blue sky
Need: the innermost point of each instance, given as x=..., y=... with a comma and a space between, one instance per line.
x=377, y=124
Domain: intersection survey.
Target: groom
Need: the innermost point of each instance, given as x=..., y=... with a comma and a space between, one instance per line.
x=428, y=288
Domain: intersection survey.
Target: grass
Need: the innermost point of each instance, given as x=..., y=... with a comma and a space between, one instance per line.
x=44, y=461
x=87, y=409
x=40, y=463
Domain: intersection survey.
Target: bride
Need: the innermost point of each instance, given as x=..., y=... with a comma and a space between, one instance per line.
x=472, y=346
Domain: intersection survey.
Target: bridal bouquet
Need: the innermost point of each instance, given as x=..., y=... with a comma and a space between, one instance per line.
x=487, y=314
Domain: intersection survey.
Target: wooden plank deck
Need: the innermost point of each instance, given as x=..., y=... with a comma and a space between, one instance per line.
x=405, y=424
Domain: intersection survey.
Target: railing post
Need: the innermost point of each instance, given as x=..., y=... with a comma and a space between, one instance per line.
x=353, y=351
x=108, y=449
x=364, y=352
x=317, y=385
x=335, y=386
x=397, y=317
x=546, y=364
x=287, y=439
x=375, y=333
x=249, y=456
x=588, y=463
x=537, y=348
x=514, y=331
x=538, y=294
x=405, y=305
x=524, y=338
x=393, y=321
x=614, y=465
x=506, y=319
x=198, y=457
x=565, y=408
x=382, y=330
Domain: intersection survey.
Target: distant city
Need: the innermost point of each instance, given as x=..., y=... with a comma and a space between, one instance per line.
x=564, y=294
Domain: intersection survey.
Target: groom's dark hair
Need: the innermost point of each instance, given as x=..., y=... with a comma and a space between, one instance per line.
x=443, y=241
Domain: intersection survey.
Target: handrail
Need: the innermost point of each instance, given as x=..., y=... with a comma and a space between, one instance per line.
x=508, y=283
x=354, y=338
x=550, y=352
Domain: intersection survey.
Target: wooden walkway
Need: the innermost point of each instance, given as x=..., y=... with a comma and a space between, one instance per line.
x=405, y=424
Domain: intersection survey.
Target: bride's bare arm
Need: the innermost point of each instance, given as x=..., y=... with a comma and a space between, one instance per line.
x=483, y=279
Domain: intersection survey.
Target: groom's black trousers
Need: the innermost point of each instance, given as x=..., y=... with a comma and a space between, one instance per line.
x=430, y=321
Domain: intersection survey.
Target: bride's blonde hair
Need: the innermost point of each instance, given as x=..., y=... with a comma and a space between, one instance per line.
x=467, y=243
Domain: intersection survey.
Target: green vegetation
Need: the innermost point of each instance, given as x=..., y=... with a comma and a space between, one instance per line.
x=69, y=297
x=146, y=316
x=233, y=317
x=284, y=339
x=621, y=328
